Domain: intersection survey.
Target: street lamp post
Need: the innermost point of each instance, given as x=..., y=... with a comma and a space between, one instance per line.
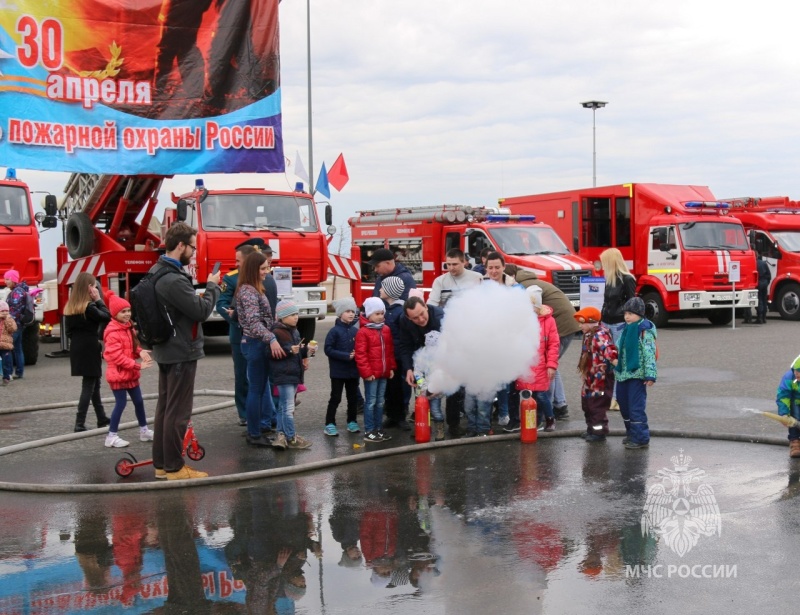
x=594, y=105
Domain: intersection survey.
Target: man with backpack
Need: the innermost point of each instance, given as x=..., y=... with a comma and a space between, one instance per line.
x=177, y=356
x=19, y=309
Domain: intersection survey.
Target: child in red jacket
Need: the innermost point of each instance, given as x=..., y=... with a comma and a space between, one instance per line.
x=121, y=351
x=376, y=364
x=538, y=379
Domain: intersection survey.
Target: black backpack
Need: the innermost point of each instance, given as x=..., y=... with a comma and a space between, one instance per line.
x=28, y=313
x=153, y=322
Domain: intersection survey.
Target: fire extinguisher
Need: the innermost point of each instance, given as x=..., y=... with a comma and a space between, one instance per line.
x=422, y=419
x=527, y=415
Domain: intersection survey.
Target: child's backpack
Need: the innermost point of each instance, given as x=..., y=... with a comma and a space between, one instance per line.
x=153, y=322
x=28, y=313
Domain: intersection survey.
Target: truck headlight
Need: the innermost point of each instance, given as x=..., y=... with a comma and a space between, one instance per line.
x=316, y=295
x=691, y=296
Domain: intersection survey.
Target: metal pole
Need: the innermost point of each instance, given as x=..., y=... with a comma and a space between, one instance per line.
x=310, y=130
x=594, y=149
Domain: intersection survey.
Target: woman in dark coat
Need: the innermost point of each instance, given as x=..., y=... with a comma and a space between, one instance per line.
x=85, y=316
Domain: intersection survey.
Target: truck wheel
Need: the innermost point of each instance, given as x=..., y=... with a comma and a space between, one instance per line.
x=788, y=301
x=80, y=235
x=654, y=309
x=306, y=328
x=30, y=343
x=721, y=317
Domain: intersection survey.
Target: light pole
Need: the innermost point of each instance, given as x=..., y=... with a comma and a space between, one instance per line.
x=594, y=105
x=310, y=131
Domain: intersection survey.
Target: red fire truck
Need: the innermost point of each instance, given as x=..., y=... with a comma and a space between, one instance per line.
x=421, y=236
x=19, y=249
x=774, y=227
x=111, y=233
x=678, y=241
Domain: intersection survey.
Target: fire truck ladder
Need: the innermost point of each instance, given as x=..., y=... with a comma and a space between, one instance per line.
x=108, y=203
x=434, y=213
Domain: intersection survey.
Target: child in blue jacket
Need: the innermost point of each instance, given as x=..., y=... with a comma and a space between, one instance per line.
x=340, y=350
x=788, y=398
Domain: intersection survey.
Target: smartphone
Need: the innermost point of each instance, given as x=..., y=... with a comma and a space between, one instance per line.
x=215, y=270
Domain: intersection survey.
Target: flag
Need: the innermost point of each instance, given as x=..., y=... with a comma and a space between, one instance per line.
x=299, y=169
x=338, y=176
x=322, y=182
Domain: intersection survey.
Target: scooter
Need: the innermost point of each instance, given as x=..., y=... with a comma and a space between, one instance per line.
x=191, y=449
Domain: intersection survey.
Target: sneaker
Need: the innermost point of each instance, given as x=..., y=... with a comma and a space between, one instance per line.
x=471, y=434
x=186, y=473
x=330, y=430
x=594, y=437
x=280, y=441
x=6, y=382
x=353, y=427
x=299, y=443
x=116, y=442
x=404, y=425
x=550, y=424
x=511, y=427
x=161, y=474
x=584, y=435
x=146, y=435
x=794, y=449
x=373, y=436
x=561, y=412
x=384, y=436
x=259, y=441
x=242, y=422
x=634, y=445
x=483, y=434
x=438, y=430
x=503, y=420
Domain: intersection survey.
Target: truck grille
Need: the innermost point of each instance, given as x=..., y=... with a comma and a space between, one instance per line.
x=307, y=274
x=569, y=282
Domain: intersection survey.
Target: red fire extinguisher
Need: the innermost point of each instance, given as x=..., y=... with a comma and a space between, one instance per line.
x=527, y=415
x=422, y=419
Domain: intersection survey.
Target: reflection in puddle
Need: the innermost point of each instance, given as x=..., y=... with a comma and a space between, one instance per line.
x=553, y=527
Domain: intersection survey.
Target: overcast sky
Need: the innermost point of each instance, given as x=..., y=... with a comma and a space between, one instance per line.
x=461, y=101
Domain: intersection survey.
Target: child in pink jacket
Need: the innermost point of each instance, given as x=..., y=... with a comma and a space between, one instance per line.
x=538, y=379
x=122, y=373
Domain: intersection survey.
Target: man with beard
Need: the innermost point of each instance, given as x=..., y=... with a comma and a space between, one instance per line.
x=177, y=357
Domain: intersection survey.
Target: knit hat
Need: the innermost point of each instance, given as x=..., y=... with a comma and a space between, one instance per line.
x=393, y=286
x=116, y=304
x=372, y=305
x=13, y=275
x=588, y=314
x=286, y=308
x=343, y=305
x=3, y=306
x=535, y=295
x=416, y=292
x=634, y=305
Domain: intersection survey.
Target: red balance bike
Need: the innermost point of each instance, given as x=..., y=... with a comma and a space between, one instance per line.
x=191, y=448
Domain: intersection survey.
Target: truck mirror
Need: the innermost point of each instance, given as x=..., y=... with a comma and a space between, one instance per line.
x=50, y=205
x=203, y=194
x=182, y=207
x=328, y=215
x=575, y=244
x=751, y=238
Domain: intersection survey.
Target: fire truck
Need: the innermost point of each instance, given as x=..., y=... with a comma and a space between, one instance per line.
x=773, y=224
x=678, y=241
x=420, y=237
x=19, y=249
x=111, y=233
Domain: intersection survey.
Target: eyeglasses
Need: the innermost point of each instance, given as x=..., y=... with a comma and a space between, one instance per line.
x=194, y=248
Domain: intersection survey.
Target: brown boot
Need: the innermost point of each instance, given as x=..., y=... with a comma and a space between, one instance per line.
x=794, y=449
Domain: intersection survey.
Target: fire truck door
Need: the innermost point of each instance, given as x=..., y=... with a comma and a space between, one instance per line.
x=764, y=246
x=663, y=258
x=476, y=241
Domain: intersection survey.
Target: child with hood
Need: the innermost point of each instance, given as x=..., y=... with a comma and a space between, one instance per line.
x=340, y=348
x=635, y=372
x=788, y=398
x=538, y=379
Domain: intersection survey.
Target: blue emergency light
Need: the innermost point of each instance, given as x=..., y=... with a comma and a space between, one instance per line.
x=198, y=184
x=11, y=174
x=709, y=204
x=298, y=187
x=507, y=218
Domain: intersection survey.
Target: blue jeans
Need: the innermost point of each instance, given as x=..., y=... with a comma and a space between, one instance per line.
x=557, y=395
x=479, y=414
x=632, y=398
x=435, y=404
x=120, y=401
x=259, y=398
x=502, y=401
x=239, y=380
x=544, y=407
x=8, y=366
x=19, y=356
x=286, y=410
x=374, y=392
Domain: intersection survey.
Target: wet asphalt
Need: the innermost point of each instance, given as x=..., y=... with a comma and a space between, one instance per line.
x=489, y=526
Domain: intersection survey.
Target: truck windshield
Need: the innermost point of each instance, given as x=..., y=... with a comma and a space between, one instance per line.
x=14, y=208
x=713, y=236
x=526, y=240
x=227, y=212
x=788, y=240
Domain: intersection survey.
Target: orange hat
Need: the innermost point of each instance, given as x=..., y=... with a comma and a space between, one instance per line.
x=588, y=315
